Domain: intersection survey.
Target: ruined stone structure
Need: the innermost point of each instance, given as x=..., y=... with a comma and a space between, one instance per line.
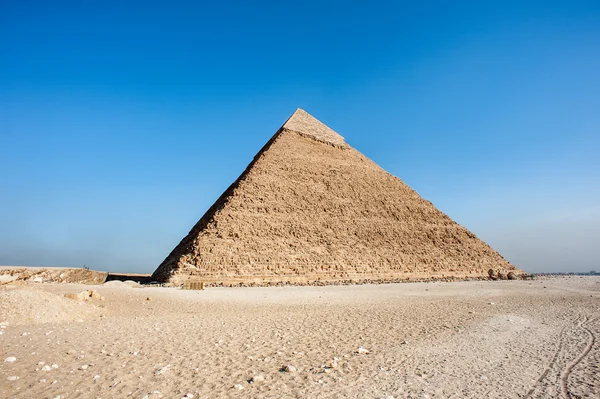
x=311, y=209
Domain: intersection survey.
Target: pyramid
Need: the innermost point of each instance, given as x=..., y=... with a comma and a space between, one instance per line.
x=311, y=209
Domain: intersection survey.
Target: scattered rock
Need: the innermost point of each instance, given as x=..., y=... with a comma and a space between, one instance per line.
x=13, y=378
x=289, y=369
x=492, y=274
x=238, y=387
x=511, y=276
x=501, y=275
x=5, y=278
x=256, y=378
x=85, y=295
x=10, y=359
x=362, y=351
x=46, y=368
x=162, y=370
x=82, y=296
x=84, y=367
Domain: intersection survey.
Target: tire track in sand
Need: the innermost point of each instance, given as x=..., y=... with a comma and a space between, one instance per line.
x=567, y=370
x=552, y=363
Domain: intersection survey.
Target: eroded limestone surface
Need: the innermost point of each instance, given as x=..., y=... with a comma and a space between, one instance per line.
x=310, y=208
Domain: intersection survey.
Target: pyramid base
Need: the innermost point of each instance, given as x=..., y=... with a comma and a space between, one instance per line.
x=318, y=280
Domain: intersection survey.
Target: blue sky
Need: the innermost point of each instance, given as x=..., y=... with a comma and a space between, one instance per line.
x=122, y=122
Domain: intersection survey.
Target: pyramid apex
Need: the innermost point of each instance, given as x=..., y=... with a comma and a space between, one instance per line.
x=307, y=125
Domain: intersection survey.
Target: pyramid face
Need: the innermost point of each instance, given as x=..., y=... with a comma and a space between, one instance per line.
x=311, y=208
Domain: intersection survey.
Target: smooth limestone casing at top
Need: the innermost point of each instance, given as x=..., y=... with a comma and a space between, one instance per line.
x=310, y=208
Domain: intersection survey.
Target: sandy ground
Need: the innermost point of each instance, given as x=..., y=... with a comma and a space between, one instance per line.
x=496, y=339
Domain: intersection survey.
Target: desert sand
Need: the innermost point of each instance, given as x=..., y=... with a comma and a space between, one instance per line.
x=470, y=339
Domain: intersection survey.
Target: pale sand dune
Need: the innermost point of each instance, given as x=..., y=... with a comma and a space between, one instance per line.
x=425, y=340
x=30, y=306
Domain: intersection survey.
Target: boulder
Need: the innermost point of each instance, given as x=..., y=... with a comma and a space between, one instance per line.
x=85, y=295
x=81, y=296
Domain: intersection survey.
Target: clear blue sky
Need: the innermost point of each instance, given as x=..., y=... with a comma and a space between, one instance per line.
x=121, y=122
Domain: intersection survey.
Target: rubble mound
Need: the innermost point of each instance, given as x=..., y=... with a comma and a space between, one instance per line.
x=9, y=274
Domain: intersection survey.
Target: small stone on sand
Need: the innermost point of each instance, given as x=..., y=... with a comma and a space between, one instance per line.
x=362, y=351
x=162, y=370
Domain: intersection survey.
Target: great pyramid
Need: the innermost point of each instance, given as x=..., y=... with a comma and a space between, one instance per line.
x=311, y=209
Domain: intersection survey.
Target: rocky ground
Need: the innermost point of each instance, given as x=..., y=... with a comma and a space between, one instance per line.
x=492, y=339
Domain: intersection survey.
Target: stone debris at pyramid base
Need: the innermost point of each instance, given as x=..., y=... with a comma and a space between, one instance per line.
x=191, y=282
x=310, y=209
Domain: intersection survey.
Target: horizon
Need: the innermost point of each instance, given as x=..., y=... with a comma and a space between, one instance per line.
x=120, y=125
